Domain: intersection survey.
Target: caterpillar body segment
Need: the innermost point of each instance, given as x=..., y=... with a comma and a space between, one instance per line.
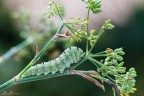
x=69, y=56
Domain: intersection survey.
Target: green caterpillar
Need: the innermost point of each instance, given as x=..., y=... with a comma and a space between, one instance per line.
x=69, y=56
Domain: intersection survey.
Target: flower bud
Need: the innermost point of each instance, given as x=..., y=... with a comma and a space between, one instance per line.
x=92, y=31
x=109, y=50
x=113, y=55
x=121, y=69
x=133, y=75
x=112, y=68
x=121, y=64
x=114, y=61
x=110, y=72
x=107, y=59
x=131, y=69
x=119, y=58
x=118, y=49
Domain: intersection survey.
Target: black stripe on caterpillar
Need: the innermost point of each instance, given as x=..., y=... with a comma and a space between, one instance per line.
x=69, y=56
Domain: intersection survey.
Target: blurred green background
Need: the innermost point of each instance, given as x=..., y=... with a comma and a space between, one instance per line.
x=130, y=37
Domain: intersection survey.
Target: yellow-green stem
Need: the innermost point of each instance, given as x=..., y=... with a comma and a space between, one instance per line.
x=87, y=25
x=99, y=35
x=36, y=58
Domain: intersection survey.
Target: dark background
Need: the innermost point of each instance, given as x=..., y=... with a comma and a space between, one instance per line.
x=130, y=37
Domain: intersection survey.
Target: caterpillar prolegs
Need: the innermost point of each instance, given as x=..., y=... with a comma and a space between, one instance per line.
x=69, y=56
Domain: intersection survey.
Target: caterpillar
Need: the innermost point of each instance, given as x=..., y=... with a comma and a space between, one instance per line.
x=69, y=56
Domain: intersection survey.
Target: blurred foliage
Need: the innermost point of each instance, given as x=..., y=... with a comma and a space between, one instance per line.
x=130, y=37
x=8, y=32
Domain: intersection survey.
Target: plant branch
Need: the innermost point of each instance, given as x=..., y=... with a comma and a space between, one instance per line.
x=88, y=78
x=58, y=13
x=114, y=87
x=36, y=58
x=87, y=29
x=95, y=62
x=16, y=81
x=7, y=84
x=99, y=35
x=100, y=55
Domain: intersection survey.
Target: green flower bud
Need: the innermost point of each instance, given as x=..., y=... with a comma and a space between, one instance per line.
x=50, y=3
x=131, y=69
x=110, y=72
x=113, y=55
x=108, y=25
x=114, y=61
x=121, y=64
x=94, y=5
x=133, y=75
x=121, y=53
x=134, y=89
x=107, y=59
x=107, y=21
x=112, y=68
x=119, y=58
x=83, y=19
x=86, y=22
x=121, y=69
x=81, y=32
x=118, y=49
x=132, y=82
x=92, y=31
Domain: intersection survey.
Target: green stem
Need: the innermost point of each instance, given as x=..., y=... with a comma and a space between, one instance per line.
x=101, y=55
x=99, y=35
x=95, y=62
x=71, y=29
x=58, y=13
x=16, y=49
x=7, y=84
x=15, y=81
x=73, y=23
x=36, y=58
x=87, y=27
x=57, y=17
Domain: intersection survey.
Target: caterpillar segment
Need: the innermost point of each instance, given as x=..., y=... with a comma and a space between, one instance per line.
x=64, y=61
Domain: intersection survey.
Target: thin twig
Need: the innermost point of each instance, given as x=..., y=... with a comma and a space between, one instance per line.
x=88, y=78
x=114, y=86
x=36, y=58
